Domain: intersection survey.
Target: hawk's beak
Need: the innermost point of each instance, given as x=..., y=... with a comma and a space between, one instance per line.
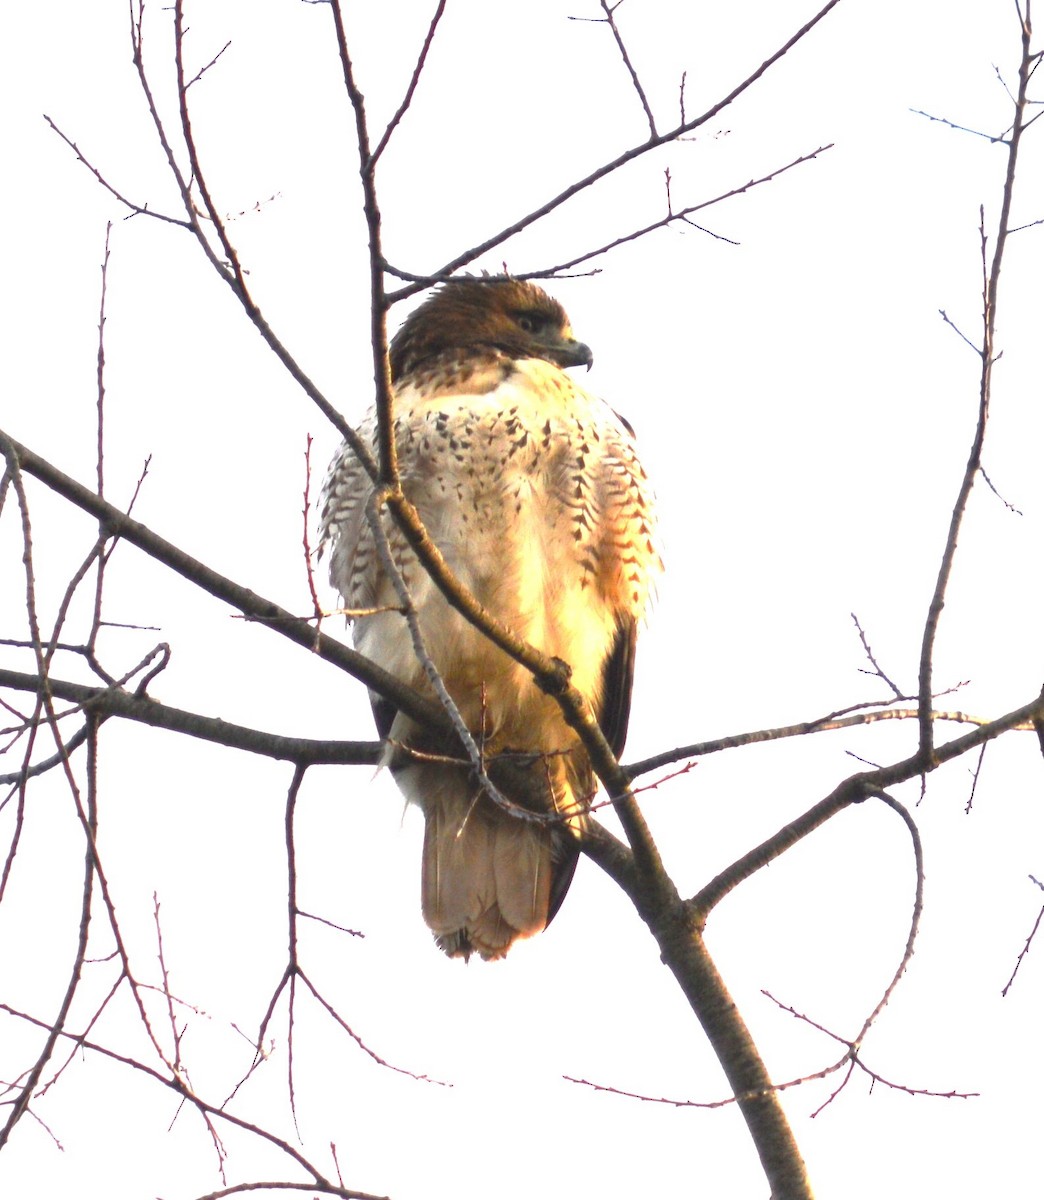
x=570, y=353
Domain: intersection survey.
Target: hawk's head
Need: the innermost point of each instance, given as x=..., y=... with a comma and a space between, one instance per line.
x=491, y=313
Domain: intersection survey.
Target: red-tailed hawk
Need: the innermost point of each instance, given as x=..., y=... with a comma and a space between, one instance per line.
x=532, y=490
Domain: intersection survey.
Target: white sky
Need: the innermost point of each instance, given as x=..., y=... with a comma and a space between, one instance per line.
x=805, y=415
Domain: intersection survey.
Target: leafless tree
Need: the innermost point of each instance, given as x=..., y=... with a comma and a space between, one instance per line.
x=58, y=726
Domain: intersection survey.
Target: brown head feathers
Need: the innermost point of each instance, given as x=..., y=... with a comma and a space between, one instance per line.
x=494, y=312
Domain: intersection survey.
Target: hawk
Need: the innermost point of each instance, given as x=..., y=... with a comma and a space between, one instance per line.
x=532, y=490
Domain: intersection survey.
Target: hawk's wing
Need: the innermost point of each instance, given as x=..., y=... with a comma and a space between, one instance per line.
x=612, y=717
x=618, y=677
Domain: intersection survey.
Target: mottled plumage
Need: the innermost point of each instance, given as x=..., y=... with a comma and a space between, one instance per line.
x=532, y=489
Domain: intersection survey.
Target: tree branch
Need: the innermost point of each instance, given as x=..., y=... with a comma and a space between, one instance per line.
x=181, y=1088
x=379, y=303
x=407, y=100
x=681, y=214
x=653, y=143
x=991, y=286
x=850, y=791
x=116, y=702
x=233, y=278
x=241, y=598
x=821, y=725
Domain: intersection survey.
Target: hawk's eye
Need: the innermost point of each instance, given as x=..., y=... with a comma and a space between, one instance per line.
x=529, y=324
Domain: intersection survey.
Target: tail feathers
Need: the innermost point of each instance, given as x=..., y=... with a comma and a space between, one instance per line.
x=486, y=878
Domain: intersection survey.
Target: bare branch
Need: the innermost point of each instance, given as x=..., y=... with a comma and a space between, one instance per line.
x=853, y=1060
x=100, y=703
x=56, y=1027
x=851, y=791
x=897, y=691
x=610, y=20
x=407, y=100
x=230, y=276
x=135, y=209
x=704, y=906
x=1007, y=503
x=991, y=286
x=915, y=915
x=234, y=270
x=204, y=69
x=975, y=778
x=681, y=215
x=821, y=725
x=246, y=601
x=181, y=1088
x=340, y=1021
x=307, y=517
x=960, y=333
x=961, y=128
x=64, y=752
x=379, y=303
x=293, y=965
x=653, y=143
x=1026, y=948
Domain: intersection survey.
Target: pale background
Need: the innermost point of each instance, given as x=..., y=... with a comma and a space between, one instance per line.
x=805, y=415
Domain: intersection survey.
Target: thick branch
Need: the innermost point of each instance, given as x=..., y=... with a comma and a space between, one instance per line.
x=241, y=598
x=685, y=953
x=116, y=702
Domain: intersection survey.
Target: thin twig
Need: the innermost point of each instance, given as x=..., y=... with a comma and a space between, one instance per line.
x=306, y=540
x=853, y=790
x=234, y=280
x=135, y=209
x=896, y=690
x=961, y=128
x=610, y=20
x=407, y=100
x=991, y=286
x=1026, y=948
x=509, y=231
x=803, y=728
x=181, y=1089
x=681, y=215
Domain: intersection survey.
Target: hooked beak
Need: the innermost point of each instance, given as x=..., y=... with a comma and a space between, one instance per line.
x=568, y=352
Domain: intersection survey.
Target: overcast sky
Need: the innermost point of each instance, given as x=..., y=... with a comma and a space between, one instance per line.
x=805, y=415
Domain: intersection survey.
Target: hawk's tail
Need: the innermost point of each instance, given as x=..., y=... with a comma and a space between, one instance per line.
x=488, y=877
